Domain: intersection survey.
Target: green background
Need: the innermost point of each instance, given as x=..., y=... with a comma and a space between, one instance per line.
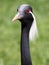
x=10, y=32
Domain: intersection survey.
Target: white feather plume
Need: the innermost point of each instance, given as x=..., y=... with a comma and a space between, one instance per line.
x=33, y=34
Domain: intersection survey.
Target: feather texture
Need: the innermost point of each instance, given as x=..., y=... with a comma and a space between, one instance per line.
x=33, y=34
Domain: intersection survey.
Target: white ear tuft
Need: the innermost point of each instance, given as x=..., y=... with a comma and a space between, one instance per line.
x=33, y=34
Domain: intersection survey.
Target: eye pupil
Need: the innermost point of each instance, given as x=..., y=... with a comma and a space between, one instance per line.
x=28, y=10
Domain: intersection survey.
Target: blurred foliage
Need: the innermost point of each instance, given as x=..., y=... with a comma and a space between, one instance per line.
x=10, y=32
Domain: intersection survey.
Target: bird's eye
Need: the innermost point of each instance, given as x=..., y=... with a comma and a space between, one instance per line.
x=28, y=10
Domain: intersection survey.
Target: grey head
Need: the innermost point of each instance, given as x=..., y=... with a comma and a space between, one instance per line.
x=24, y=8
x=23, y=13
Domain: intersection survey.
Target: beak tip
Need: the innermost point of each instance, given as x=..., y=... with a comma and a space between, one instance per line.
x=12, y=20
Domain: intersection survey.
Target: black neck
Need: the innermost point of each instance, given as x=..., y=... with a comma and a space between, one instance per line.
x=25, y=51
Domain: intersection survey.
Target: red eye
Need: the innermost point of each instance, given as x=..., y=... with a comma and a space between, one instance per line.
x=28, y=10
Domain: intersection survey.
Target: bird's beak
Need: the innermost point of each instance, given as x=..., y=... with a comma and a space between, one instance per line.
x=17, y=16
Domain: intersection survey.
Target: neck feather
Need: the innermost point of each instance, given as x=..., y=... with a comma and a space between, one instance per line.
x=25, y=52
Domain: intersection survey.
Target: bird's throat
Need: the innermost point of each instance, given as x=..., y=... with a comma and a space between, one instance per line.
x=25, y=52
